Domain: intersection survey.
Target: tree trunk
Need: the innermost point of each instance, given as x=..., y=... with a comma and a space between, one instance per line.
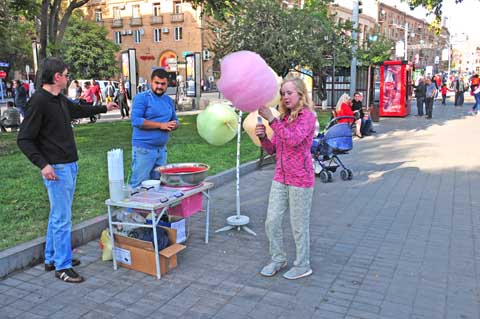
x=44, y=30
x=52, y=28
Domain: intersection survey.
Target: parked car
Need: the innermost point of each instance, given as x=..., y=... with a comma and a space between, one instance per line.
x=101, y=83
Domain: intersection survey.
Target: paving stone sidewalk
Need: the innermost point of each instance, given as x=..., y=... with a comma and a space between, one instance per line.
x=398, y=241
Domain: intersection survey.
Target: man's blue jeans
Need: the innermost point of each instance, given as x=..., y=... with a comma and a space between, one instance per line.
x=58, y=245
x=144, y=162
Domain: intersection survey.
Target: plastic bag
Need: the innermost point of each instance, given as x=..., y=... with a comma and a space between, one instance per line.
x=106, y=245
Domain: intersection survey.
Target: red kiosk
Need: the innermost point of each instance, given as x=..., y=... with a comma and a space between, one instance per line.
x=395, y=88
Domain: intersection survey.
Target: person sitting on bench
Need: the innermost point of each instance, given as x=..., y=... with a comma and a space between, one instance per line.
x=10, y=118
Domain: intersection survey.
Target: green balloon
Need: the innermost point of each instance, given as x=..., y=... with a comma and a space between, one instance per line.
x=217, y=124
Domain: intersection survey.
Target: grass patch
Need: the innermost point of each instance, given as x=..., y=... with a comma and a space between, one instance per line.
x=23, y=198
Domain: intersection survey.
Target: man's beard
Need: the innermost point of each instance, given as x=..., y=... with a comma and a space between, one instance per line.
x=158, y=94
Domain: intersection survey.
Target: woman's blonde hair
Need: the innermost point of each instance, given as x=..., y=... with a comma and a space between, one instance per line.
x=344, y=98
x=303, y=102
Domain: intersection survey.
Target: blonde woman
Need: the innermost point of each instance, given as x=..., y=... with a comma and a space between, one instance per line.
x=293, y=182
x=344, y=108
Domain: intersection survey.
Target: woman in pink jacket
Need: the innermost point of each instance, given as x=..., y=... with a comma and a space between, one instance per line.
x=293, y=182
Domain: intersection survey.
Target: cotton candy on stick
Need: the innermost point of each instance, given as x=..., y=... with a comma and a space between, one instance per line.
x=276, y=100
x=251, y=121
x=247, y=81
x=217, y=124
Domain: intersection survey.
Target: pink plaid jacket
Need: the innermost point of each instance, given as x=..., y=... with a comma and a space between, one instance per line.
x=291, y=142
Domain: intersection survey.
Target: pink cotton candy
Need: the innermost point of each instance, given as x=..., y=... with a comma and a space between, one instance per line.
x=247, y=81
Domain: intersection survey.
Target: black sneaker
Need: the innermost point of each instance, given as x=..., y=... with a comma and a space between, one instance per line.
x=69, y=275
x=51, y=267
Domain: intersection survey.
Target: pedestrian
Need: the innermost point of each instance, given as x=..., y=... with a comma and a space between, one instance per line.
x=430, y=91
x=444, y=91
x=31, y=88
x=121, y=99
x=153, y=118
x=420, y=96
x=459, y=87
x=46, y=138
x=21, y=95
x=109, y=92
x=475, y=91
x=293, y=182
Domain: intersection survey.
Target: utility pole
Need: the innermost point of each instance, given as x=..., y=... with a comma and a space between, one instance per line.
x=353, y=66
x=405, y=57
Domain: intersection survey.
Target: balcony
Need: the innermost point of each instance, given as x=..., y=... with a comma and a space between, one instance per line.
x=156, y=19
x=135, y=22
x=117, y=23
x=177, y=17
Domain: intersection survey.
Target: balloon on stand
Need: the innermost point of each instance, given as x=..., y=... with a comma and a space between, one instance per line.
x=217, y=124
x=247, y=81
x=250, y=122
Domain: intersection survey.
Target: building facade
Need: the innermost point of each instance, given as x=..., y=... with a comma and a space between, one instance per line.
x=161, y=31
x=424, y=45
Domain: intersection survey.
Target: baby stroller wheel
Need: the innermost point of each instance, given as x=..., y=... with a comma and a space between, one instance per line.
x=350, y=174
x=344, y=174
x=330, y=176
x=324, y=176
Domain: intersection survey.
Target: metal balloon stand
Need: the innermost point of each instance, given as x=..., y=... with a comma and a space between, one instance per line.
x=238, y=221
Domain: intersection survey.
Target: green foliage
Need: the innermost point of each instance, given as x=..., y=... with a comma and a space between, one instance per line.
x=220, y=10
x=283, y=37
x=87, y=50
x=15, y=33
x=434, y=7
x=375, y=52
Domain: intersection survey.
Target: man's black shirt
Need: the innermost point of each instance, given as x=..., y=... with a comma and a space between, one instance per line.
x=46, y=135
x=357, y=106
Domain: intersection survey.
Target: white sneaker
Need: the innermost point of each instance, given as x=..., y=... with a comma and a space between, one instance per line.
x=297, y=273
x=272, y=268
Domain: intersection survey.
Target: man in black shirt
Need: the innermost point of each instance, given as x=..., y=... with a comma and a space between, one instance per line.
x=364, y=124
x=46, y=138
x=420, y=96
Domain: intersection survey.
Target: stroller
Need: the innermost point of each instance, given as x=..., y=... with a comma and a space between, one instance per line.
x=336, y=139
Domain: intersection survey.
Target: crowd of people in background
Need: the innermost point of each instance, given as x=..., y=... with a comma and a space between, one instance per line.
x=428, y=88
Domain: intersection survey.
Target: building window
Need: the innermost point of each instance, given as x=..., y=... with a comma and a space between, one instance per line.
x=98, y=15
x=157, y=35
x=118, y=37
x=177, y=34
x=136, y=11
x=116, y=13
x=137, y=36
x=156, y=9
x=177, y=7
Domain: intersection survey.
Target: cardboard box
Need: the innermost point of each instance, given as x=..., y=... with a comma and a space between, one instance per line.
x=179, y=225
x=139, y=255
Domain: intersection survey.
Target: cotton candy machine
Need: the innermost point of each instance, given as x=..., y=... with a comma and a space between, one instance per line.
x=183, y=174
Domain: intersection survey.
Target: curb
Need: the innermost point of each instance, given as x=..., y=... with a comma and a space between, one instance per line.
x=32, y=252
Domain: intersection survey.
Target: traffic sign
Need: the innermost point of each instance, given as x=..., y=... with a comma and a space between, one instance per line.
x=3, y=74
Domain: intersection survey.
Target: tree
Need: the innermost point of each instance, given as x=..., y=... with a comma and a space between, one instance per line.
x=375, y=51
x=283, y=37
x=87, y=51
x=54, y=16
x=15, y=33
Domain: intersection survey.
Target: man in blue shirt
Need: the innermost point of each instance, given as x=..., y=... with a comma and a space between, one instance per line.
x=153, y=118
x=430, y=91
